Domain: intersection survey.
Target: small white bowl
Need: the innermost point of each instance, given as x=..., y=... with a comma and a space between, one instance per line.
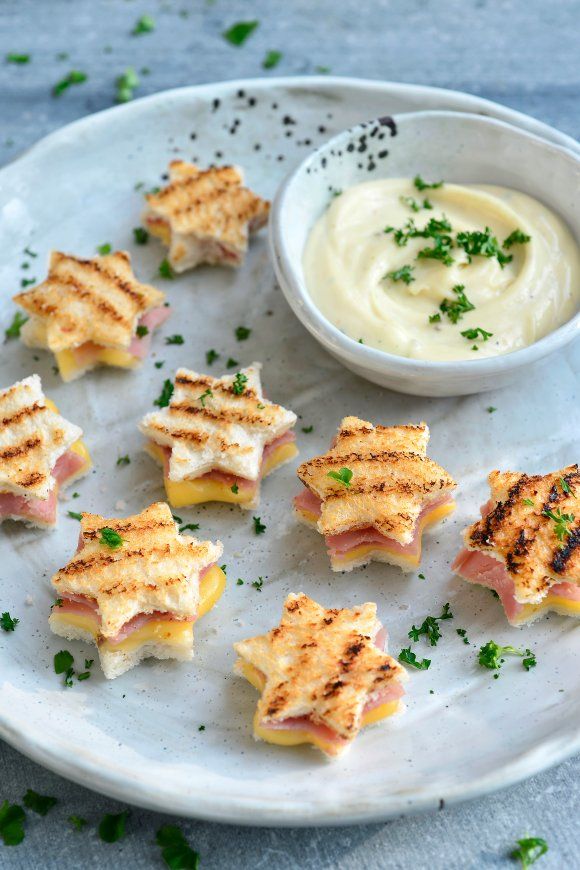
x=458, y=147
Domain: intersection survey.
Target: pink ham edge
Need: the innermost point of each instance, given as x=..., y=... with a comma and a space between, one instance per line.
x=342, y=544
x=88, y=352
x=42, y=510
x=304, y=723
x=85, y=606
x=244, y=485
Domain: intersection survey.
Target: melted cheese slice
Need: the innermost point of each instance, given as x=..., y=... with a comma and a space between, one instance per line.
x=187, y=492
x=293, y=737
x=68, y=365
x=167, y=631
x=79, y=447
x=555, y=603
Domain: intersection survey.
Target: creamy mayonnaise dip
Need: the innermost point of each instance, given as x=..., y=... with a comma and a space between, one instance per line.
x=349, y=256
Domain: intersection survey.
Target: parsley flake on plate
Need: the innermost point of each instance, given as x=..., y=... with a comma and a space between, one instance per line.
x=74, y=77
x=63, y=664
x=211, y=356
x=166, y=393
x=232, y=363
x=343, y=476
x=307, y=429
x=38, y=803
x=160, y=363
x=175, y=850
x=126, y=84
x=145, y=24
x=239, y=384
x=529, y=660
x=408, y=656
x=11, y=823
x=242, y=333
x=110, y=538
x=104, y=249
x=140, y=235
x=423, y=185
x=77, y=822
x=14, y=57
x=462, y=632
x=142, y=331
x=272, y=59
x=528, y=850
x=7, y=622
x=124, y=460
x=191, y=527
x=405, y=274
x=257, y=584
x=18, y=321
x=491, y=655
x=259, y=526
x=239, y=32
x=430, y=626
x=166, y=270
x=239, y=582
x=174, y=339
x=112, y=826
x=74, y=515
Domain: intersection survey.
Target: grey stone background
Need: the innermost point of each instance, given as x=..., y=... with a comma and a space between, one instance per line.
x=523, y=53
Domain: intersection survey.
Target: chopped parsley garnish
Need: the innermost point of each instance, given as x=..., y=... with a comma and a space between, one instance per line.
x=430, y=626
x=74, y=515
x=491, y=656
x=110, y=538
x=160, y=363
x=423, y=185
x=414, y=205
x=112, y=826
x=27, y=282
x=343, y=476
x=7, y=622
x=462, y=632
x=482, y=244
x=177, y=519
x=421, y=576
x=561, y=522
x=205, y=395
x=239, y=384
x=234, y=488
x=174, y=339
x=145, y=24
x=124, y=460
x=38, y=803
x=75, y=77
x=435, y=318
x=189, y=527
x=239, y=32
x=490, y=409
x=11, y=823
x=175, y=850
x=529, y=501
x=126, y=84
x=18, y=321
x=528, y=850
x=211, y=356
x=14, y=57
x=260, y=406
x=272, y=59
x=405, y=274
x=140, y=235
x=307, y=429
x=104, y=249
x=242, y=333
x=408, y=656
x=566, y=487
x=476, y=333
x=166, y=270
x=518, y=237
x=440, y=251
x=257, y=584
x=57, y=603
x=239, y=582
x=29, y=252
x=63, y=661
x=77, y=822
x=259, y=526
x=232, y=363
x=201, y=728
x=142, y=331
x=166, y=394
x=529, y=660
x=456, y=308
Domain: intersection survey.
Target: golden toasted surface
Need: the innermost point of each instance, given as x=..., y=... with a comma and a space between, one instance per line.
x=96, y=300
x=155, y=568
x=217, y=423
x=392, y=479
x=320, y=663
x=206, y=206
x=32, y=439
x=533, y=528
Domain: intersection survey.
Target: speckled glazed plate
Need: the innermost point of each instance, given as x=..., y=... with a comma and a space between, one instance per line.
x=137, y=738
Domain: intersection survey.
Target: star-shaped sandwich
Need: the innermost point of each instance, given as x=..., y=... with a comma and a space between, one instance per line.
x=218, y=437
x=373, y=493
x=134, y=587
x=323, y=675
x=205, y=215
x=40, y=453
x=92, y=312
x=526, y=546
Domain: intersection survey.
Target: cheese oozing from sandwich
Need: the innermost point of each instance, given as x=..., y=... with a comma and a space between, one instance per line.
x=323, y=675
x=218, y=438
x=91, y=313
x=40, y=454
x=205, y=215
x=526, y=547
x=135, y=587
x=373, y=494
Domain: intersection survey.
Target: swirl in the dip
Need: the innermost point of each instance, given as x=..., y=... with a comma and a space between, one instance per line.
x=444, y=271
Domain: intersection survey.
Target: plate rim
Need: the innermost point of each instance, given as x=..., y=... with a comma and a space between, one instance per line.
x=85, y=771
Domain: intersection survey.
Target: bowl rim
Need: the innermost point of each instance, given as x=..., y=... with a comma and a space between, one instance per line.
x=293, y=284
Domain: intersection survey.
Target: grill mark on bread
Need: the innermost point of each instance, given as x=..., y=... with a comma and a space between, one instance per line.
x=222, y=415
x=21, y=449
x=27, y=411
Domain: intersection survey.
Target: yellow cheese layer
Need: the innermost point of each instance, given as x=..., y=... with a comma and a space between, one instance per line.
x=181, y=493
x=160, y=630
x=291, y=737
x=412, y=560
x=68, y=365
x=556, y=603
x=78, y=447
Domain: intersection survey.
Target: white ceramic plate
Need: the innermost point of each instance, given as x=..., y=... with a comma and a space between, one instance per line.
x=137, y=738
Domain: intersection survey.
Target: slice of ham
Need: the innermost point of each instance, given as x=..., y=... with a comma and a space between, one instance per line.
x=88, y=353
x=244, y=485
x=83, y=605
x=342, y=544
x=484, y=570
x=41, y=510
